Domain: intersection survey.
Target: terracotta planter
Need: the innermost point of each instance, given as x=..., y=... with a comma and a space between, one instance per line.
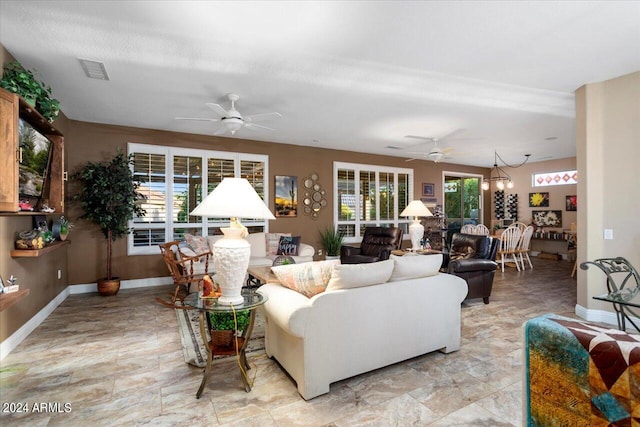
x=108, y=287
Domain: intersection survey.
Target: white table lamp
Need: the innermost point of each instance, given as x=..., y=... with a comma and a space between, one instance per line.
x=232, y=198
x=416, y=229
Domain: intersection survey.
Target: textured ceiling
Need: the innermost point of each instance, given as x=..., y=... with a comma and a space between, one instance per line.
x=356, y=76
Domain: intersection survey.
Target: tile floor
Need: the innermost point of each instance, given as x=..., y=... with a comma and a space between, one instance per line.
x=118, y=361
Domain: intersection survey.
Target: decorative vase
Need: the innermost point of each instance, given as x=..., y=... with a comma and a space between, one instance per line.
x=108, y=287
x=230, y=260
x=60, y=232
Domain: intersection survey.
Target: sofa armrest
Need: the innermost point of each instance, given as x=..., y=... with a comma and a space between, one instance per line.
x=346, y=251
x=287, y=308
x=471, y=264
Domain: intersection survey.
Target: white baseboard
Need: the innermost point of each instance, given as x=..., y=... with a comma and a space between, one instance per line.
x=125, y=284
x=602, y=316
x=9, y=344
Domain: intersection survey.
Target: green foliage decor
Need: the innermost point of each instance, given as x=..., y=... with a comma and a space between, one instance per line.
x=17, y=79
x=223, y=321
x=331, y=241
x=110, y=197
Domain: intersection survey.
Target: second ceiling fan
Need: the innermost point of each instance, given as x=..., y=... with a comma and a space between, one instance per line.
x=232, y=120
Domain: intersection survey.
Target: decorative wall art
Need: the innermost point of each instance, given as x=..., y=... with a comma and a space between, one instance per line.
x=428, y=189
x=314, y=196
x=539, y=200
x=547, y=218
x=286, y=196
x=571, y=203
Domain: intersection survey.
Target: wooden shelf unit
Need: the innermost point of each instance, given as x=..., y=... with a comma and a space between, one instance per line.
x=30, y=253
x=7, y=300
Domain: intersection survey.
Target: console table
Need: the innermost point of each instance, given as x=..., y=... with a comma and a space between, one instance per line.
x=252, y=301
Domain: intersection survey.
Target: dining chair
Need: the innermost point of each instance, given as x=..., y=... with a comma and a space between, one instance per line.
x=520, y=225
x=509, y=240
x=524, y=246
x=482, y=230
x=468, y=229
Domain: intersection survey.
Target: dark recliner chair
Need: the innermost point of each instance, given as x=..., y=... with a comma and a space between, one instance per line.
x=472, y=257
x=377, y=244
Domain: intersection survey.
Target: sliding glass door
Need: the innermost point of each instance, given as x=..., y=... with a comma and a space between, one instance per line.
x=462, y=201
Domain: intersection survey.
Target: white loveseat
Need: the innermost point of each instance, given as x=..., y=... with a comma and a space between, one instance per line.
x=342, y=332
x=259, y=253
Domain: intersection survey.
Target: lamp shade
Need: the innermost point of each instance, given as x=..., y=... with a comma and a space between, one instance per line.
x=416, y=208
x=233, y=198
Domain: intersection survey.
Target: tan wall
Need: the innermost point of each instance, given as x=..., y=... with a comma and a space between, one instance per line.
x=522, y=179
x=608, y=150
x=94, y=142
x=39, y=275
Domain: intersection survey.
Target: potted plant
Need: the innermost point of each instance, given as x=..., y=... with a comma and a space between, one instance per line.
x=331, y=241
x=110, y=198
x=17, y=79
x=224, y=327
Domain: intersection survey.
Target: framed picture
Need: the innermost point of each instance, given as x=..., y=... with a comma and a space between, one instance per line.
x=547, y=218
x=286, y=196
x=538, y=200
x=428, y=189
x=571, y=203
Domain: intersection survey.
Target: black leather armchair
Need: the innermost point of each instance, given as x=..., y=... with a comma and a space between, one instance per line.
x=377, y=244
x=472, y=257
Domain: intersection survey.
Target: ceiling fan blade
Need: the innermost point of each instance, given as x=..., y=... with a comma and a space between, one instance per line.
x=425, y=138
x=201, y=119
x=262, y=116
x=447, y=150
x=217, y=108
x=254, y=126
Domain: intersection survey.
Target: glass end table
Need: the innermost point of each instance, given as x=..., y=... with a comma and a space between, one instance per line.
x=252, y=300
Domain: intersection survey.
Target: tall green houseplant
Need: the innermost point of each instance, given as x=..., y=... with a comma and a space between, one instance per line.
x=331, y=241
x=110, y=198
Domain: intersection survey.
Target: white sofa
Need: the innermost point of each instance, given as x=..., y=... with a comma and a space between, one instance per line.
x=259, y=255
x=340, y=333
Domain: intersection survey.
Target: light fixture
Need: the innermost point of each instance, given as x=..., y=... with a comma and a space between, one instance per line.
x=499, y=176
x=416, y=230
x=232, y=198
x=233, y=123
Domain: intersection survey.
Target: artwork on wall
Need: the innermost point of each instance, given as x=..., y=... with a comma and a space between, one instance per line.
x=314, y=196
x=539, y=200
x=571, y=203
x=286, y=196
x=428, y=189
x=547, y=218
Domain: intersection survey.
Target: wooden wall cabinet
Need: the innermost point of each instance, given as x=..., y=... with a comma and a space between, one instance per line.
x=13, y=107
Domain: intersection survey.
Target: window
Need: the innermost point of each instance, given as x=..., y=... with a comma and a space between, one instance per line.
x=555, y=178
x=366, y=195
x=175, y=181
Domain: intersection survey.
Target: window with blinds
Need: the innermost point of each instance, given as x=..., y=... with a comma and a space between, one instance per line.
x=367, y=195
x=175, y=180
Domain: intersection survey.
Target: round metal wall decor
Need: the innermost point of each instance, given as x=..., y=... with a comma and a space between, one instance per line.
x=314, y=196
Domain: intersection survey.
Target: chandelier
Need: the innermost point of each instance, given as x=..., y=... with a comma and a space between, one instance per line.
x=498, y=175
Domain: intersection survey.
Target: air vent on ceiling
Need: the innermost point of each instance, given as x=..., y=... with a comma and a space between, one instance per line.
x=94, y=69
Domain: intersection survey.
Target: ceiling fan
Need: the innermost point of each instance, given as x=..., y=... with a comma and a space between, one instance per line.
x=436, y=153
x=232, y=120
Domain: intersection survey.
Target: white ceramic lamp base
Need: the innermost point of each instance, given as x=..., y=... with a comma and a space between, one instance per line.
x=231, y=259
x=416, y=231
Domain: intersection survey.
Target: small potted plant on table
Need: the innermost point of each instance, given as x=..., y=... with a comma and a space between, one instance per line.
x=224, y=327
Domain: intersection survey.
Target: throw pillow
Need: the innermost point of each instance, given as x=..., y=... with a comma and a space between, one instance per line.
x=346, y=276
x=462, y=253
x=289, y=245
x=198, y=244
x=414, y=266
x=272, y=240
x=309, y=278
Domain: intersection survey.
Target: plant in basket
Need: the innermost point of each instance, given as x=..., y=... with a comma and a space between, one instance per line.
x=224, y=327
